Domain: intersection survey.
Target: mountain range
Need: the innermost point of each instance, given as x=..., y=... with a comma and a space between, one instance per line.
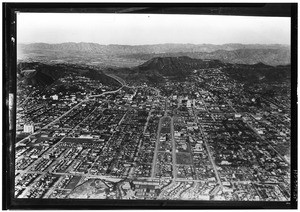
x=154, y=71
x=157, y=69
x=131, y=56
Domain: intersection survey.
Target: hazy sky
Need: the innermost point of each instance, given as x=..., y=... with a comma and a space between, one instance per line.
x=135, y=29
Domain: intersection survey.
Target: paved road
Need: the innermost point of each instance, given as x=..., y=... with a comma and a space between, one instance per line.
x=25, y=100
x=209, y=153
x=156, y=148
x=210, y=157
x=173, y=149
x=107, y=92
x=230, y=104
x=124, y=84
x=204, y=103
x=131, y=172
x=213, y=162
x=119, y=79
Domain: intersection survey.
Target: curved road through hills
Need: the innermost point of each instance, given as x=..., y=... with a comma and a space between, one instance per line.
x=119, y=79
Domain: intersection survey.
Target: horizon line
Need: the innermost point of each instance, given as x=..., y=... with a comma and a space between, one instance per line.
x=113, y=44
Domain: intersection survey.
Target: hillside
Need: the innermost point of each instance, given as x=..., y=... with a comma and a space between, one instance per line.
x=173, y=66
x=156, y=69
x=258, y=73
x=39, y=74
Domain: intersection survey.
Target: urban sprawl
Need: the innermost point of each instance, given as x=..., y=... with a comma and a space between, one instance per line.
x=205, y=139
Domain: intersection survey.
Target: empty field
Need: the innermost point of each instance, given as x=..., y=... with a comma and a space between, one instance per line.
x=183, y=158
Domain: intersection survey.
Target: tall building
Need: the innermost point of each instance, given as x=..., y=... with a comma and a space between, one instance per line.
x=189, y=103
x=28, y=128
x=55, y=97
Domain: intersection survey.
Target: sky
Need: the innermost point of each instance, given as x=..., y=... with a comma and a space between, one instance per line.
x=139, y=29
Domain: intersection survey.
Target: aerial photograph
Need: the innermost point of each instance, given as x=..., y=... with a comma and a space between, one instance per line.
x=153, y=107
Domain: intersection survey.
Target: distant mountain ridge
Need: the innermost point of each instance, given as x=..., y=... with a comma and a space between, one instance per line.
x=272, y=57
x=155, y=48
x=272, y=54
